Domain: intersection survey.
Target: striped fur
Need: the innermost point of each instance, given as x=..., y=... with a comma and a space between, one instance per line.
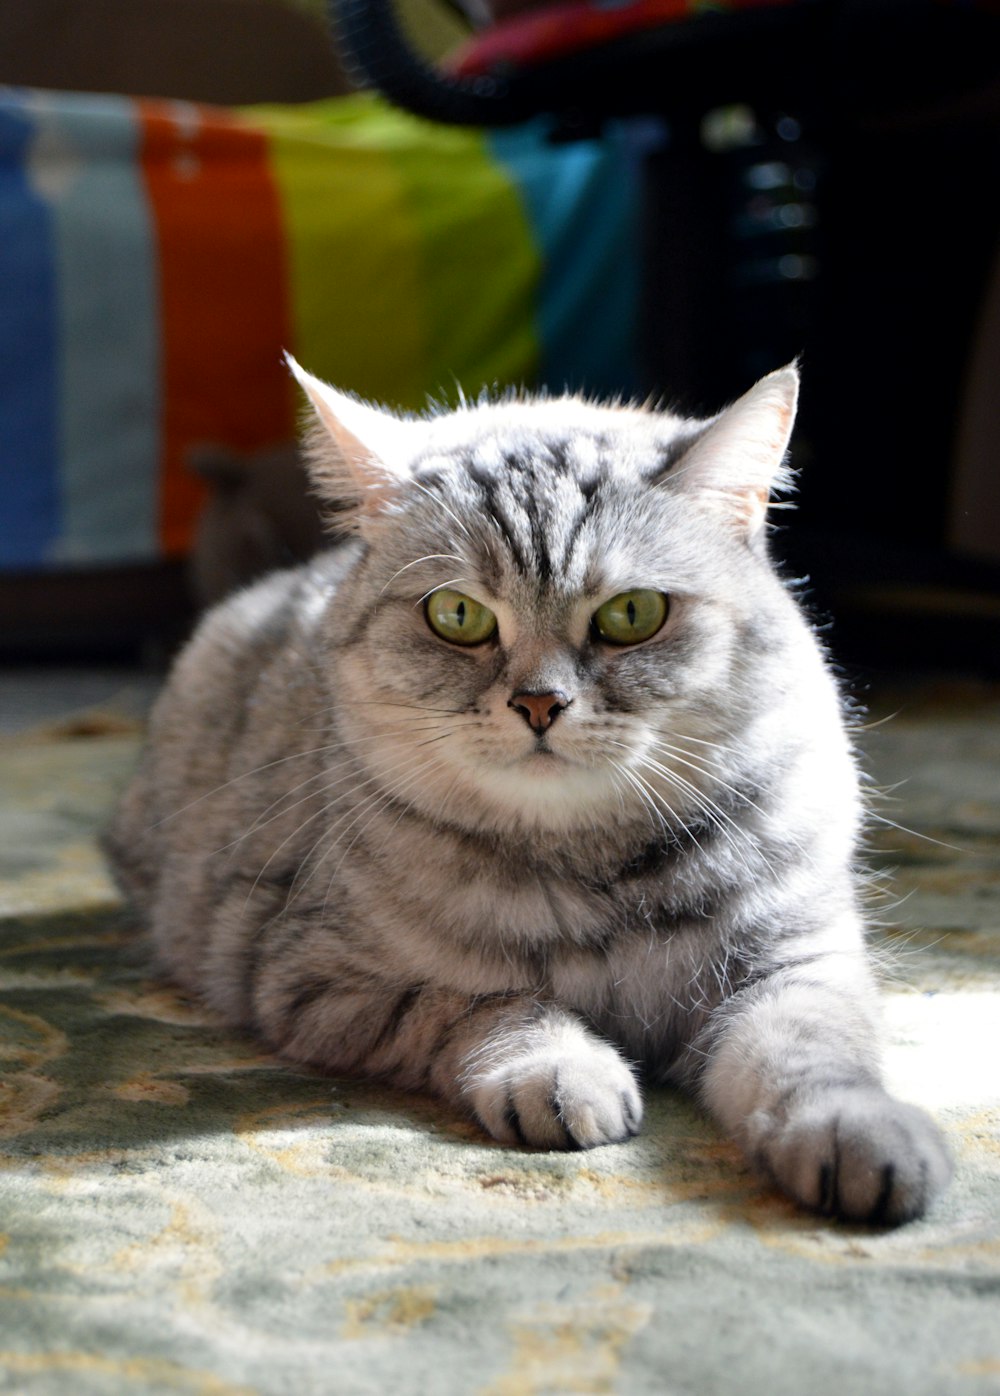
x=344, y=838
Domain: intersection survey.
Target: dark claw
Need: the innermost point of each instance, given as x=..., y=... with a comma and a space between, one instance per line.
x=829, y=1181
x=513, y=1120
x=827, y=1195
x=572, y=1143
x=880, y=1212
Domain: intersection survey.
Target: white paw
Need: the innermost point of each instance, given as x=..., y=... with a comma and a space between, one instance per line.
x=858, y=1154
x=564, y=1091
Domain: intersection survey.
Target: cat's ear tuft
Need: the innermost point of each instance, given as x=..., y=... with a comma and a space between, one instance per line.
x=737, y=462
x=356, y=454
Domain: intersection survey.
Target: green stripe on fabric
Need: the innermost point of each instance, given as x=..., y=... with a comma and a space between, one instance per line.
x=481, y=266
x=413, y=264
x=354, y=264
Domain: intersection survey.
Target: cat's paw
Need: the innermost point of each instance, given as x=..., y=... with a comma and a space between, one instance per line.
x=858, y=1154
x=556, y=1094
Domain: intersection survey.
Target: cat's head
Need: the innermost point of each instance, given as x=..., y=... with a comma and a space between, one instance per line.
x=558, y=608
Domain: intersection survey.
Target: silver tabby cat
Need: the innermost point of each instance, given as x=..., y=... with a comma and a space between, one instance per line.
x=539, y=778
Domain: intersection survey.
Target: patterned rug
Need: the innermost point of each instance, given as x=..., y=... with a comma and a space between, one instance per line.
x=180, y=1213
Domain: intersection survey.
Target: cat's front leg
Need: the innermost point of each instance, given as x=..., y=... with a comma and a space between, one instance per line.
x=793, y=1075
x=528, y=1071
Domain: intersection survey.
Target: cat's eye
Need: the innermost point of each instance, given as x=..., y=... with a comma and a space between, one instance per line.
x=630, y=616
x=457, y=617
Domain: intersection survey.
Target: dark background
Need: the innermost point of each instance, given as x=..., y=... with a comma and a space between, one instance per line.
x=847, y=214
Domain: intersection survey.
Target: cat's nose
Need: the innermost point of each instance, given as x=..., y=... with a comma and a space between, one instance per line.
x=540, y=710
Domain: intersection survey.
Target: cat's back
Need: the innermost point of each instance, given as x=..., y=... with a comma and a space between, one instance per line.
x=245, y=679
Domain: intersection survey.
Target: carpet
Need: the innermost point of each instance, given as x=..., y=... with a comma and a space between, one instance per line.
x=181, y=1213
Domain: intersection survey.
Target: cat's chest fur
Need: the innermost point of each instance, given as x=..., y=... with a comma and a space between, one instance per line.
x=605, y=935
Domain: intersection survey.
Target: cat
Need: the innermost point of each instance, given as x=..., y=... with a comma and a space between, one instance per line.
x=540, y=777
x=259, y=515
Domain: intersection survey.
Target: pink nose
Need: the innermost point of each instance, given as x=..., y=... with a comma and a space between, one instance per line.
x=539, y=710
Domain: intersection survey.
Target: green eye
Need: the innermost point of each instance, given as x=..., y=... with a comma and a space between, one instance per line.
x=630, y=617
x=458, y=618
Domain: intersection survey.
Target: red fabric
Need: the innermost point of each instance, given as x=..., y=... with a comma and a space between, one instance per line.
x=556, y=31
x=222, y=259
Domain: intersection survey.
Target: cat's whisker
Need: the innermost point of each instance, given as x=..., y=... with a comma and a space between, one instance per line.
x=262, y=821
x=703, y=801
x=716, y=816
x=734, y=830
x=322, y=793
x=325, y=771
x=685, y=760
x=436, y=499
x=416, y=707
x=429, y=741
x=735, y=835
x=265, y=817
x=439, y=586
x=384, y=781
x=915, y=833
x=234, y=780
x=296, y=832
x=388, y=838
x=370, y=811
x=727, y=750
x=716, y=755
x=646, y=797
x=741, y=796
x=616, y=786
x=271, y=765
x=389, y=794
x=428, y=557
x=877, y=722
x=325, y=833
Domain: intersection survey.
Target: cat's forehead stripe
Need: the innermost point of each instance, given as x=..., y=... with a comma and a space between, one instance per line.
x=537, y=504
x=533, y=489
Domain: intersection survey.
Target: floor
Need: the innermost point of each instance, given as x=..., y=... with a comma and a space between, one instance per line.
x=180, y=1212
x=31, y=694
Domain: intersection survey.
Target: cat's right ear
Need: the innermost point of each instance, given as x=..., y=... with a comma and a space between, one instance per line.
x=356, y=454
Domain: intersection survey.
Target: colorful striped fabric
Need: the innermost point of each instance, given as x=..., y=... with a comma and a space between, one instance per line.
x=156, y=257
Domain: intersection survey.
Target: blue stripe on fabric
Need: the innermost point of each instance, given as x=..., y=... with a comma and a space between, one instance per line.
x=583, y=203
x=85, y=162
x=29, y=486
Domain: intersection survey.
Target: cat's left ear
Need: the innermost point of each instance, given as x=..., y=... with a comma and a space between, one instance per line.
x=736, y=463
x=357, y=455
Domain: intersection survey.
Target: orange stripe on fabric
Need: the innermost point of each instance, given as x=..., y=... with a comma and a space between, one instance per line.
x=223, y=296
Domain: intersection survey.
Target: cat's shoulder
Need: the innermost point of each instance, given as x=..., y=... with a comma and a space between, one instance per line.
x=276, y=616
x=278, y=600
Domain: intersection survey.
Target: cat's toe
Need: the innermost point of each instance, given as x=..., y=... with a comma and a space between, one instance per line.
x=860, y=1155
x=552, y=1102
x=596, y=1112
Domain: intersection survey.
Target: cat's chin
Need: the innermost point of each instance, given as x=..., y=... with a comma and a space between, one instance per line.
x=544, y=763
x=547, y=790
